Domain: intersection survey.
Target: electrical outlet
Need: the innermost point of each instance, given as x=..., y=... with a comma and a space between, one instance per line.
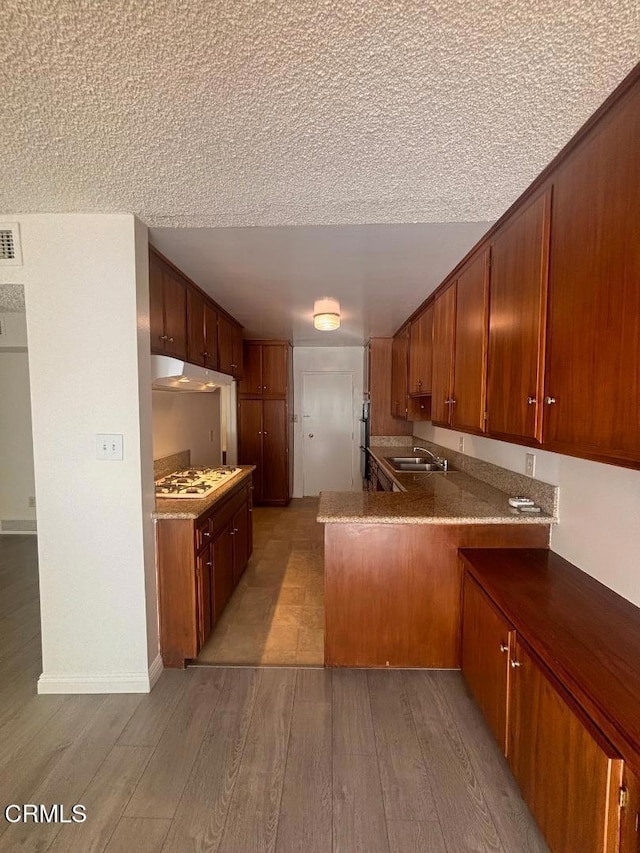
x=109, y=446
x=530, y=465
x=31, y=503
x=461, y=443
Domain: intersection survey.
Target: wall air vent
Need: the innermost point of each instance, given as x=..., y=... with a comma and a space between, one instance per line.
x=10, y=251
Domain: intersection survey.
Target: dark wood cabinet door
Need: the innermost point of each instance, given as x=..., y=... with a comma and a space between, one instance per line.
x=250, y=440
x=156, y=304
x=470, y=351
x=196, y=347
x=592, y=382
x=399, y=374
x=421, y=353
x=517, y=323
x=203, y=595
x=175, y=315
x=225, y=345
x=237, y=365
x=275, y=471
x=223, y=585
x=630, y=829
x=444, y=329
x=568, y=776
x=241, y=544
x=251, y=382
x=485, y=657
x=275, y=369
x=210, y=337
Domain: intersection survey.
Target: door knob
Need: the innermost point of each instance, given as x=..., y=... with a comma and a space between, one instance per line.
x=310, y=435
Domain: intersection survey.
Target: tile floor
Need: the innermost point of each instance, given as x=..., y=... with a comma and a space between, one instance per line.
x=276, y=614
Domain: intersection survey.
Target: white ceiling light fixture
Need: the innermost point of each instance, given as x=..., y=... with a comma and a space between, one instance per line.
x=326, y=314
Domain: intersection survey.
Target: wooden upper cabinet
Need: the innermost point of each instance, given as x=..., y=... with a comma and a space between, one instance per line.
x=167, y=309
x=229, y=347
x=421, y=352
x=486, y=639
x=202, y=330
x=399, y=373
x=470, y=349
x=592, y=382
x=444, y=330
x=517, y=322
x=378, y=384
x=569, y=775
x=266, y=369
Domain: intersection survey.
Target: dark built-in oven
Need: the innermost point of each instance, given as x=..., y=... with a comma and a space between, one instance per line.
x=364, y=442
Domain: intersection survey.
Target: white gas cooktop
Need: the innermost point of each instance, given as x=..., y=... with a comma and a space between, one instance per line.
x=194, y=482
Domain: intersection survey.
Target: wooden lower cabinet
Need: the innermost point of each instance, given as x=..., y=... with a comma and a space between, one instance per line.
x=569, y=776
x=486, y=638
x=199, y=565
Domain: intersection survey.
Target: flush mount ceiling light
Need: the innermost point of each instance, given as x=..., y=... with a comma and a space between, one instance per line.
x=326, y=314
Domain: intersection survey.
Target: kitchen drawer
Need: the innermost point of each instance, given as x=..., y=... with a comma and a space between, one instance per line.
x=204, y=532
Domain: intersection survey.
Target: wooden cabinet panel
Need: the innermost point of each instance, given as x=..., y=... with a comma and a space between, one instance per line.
x=378, y=363
x=251, y=382
x=486, y=636
x=223, y=585
x=175, y=314
x=569, y=778
x=229, y=347
x=203, y=595
x=630, y=818
x=210, y=337
x=241, y=541
x=399, y=374
x=517, y=322
x=275, y=488
x=250, y=440
x=470, y=358
x=593, y=351
x=444, y=330
x=156, y=304
x=421, y=352
x=196, y=347
x=275, y=373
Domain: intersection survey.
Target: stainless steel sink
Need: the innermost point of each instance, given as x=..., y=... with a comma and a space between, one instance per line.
x=413, y=463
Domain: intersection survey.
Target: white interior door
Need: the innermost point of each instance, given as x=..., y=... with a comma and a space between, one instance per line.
x=327, y=424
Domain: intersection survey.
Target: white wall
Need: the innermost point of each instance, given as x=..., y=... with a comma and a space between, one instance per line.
x=86, y=287
x=326, y=359
x=16, y=448
x=599, y=529
x=183, y=421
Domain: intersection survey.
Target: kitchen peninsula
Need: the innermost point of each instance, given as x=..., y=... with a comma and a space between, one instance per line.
x=392, y=572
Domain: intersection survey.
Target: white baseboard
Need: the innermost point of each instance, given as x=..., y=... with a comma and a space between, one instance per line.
x=121, y=682
x=155, y=671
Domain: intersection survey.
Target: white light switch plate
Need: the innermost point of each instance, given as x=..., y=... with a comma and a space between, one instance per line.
x=109, y=446
x=530, y=465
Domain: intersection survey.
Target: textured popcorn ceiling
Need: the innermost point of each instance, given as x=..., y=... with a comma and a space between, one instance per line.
x=11, y=299
x=298, y=112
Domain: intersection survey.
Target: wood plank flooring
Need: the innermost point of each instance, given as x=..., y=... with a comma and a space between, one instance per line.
x=247, y=759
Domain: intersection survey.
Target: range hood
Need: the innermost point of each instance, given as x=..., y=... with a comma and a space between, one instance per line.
x=173, y=374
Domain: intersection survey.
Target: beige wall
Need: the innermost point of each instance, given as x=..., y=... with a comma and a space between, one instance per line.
x=183, y=421
x=599, y=529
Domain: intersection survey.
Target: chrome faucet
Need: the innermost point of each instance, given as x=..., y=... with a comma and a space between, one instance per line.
x=444, y=463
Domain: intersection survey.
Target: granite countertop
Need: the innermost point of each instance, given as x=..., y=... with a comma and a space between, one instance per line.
x=453, y=497
x=192, y=508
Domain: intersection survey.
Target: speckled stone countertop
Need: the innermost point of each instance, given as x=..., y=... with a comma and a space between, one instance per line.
x=195, y=507
x=426, y=498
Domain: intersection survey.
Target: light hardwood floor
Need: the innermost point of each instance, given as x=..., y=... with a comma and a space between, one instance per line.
x=236, y=760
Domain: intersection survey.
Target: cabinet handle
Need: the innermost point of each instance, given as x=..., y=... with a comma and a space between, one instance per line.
x=504, y=647
x=549, y=400
x=449, y=402
x=163, y=337
x=515, y=663
x=531, y=401
x=206, y=534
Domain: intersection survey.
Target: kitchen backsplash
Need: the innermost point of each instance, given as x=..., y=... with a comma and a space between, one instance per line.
x=168, y=464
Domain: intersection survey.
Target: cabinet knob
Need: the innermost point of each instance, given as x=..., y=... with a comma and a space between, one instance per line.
x=419, y=383
x=264, y=387
x=259, y=432
x=163, y=337
x=233, y=532
x=449, y=402
x=208, y=564
x=265, y=432
x=531, y=401
x=170, y=340
x=234, y=365
x=515, y=663
x=205, y=354
x=549, y=400
x=504, y=647
x=259, y=387
x=207, y=534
